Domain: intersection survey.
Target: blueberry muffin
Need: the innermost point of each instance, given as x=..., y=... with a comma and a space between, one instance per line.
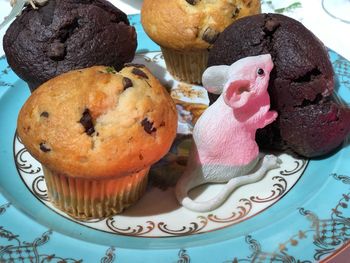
x=64, y=35
x=186, y=29
x=309, y=121
x=96, y=133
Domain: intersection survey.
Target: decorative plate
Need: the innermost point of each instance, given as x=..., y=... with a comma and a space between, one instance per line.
x=297, y=213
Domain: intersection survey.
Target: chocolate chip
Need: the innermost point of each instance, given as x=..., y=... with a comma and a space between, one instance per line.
x=140, y=156
x=236, y=12
x=134, y=65
x=271, y=25
x=56, y=51
x=193, y=2
x=44, y=114
x=148, y=126
x=127, y=83
x=139, y=73
x=44, y=147
x=86, y=121
x=210, y=35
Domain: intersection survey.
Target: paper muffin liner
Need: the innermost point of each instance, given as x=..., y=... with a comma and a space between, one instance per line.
x=187, y=66
x=94, y=198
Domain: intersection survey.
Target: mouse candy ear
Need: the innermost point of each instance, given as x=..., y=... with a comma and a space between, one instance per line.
x=237, y=93
x=214, y=78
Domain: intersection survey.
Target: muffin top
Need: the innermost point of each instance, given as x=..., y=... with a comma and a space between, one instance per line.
x=97, y=122
x=64, y=35
x=192, y=24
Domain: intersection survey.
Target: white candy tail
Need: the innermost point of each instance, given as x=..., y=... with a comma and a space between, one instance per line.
x=190, y=181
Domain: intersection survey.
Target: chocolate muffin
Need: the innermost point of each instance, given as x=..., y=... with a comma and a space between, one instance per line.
x=301, y=83
x=315, y=128
x=68, y=34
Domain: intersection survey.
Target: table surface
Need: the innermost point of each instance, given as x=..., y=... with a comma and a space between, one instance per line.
x=332, y=32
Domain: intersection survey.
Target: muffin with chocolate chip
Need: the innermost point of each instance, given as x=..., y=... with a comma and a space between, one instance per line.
x=96, y=133
x=64, y=35
x=186, y=29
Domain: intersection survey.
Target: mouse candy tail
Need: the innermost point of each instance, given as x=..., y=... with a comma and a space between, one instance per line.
x=189, y=181
x=184, y=186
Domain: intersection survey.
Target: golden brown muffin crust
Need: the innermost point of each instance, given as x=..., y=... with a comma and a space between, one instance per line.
x=192, y=24
x=97, y=122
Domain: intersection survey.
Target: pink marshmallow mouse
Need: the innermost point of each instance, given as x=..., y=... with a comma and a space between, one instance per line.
x=224, y=147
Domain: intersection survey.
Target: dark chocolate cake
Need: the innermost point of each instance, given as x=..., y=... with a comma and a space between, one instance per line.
x=315, y=128
x=68, y=34
x=300, y=87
